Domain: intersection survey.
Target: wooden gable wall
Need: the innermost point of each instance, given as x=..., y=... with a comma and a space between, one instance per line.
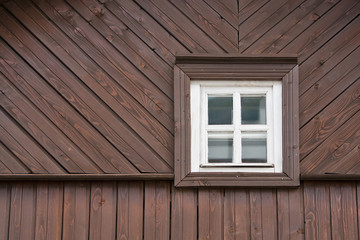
x=86, y=89
x=87, y=86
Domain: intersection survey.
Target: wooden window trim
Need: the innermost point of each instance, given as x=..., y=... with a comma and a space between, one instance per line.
x=232, y=67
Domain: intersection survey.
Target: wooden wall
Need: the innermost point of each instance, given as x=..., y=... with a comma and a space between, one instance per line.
x=155, y=210
x=87, y=86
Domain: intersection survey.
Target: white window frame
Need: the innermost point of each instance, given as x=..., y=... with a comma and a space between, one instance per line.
x=199, y=91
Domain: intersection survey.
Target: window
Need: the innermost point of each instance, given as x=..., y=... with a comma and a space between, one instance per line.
x=236, y=121
x=236, y=126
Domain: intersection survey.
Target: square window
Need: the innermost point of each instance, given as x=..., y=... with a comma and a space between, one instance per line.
x=236, y=121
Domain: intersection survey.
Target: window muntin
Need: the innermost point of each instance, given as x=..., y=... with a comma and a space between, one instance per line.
x=236, y=126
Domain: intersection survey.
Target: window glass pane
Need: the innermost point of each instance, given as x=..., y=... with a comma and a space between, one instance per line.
x=220, y=110
x=254, y=150
x=220, y=150
x=253, y=110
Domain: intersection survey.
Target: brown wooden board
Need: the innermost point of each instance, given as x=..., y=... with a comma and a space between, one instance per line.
x=57, y=210
x=107, y=66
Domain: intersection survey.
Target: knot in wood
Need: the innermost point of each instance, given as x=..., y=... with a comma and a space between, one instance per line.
x=315, y=16
x=99, y=12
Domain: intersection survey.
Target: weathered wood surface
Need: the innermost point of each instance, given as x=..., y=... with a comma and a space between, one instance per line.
x=156, y=210
x=87, y=85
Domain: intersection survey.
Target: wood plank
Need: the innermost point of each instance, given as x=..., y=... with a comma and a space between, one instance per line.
x=290, y=214
x=134, y=42
x=184, y=214
x=150, y=210
x=282, y=28
x=5, y=200
x=103, y=210
x=180, y=27
x=242, y=214
x=258, y=17
x=130, y=210
x=55, y=103
x=292, y=26
x=76, y=211
x=216, y=214
x=333, y=148
x=16, y=149
x=229, y=214
x=217, y=44
x=310, y=211
x=296, y=207
x=134, y=34
x=160, y=89
x=4, y=169
x=15, y=211
x=317, y=211
x=162, y=210
x=329, y=87
x=256, y=229
x=31, y=150
x=323, y=29
x=27, y=217
x=210, y=22
x=250, y=35
x=144, y=26
x=55, y=211
x=154, y=141
x=153, y=126
x=71, y=115
x=61, y=154
x=157, y=210
x=123, y=216
x=249, y=9
x=343, y=205
x=13, y=163
x=79, y=56
x=124, y=82
x=227, y=10
x=283, y=214
x=204, y=214
x=42, y=200
x=115, y=128
x=269, y=214
x=329, y=55
x=161, y=79
x=322, y=201
x=330, y=119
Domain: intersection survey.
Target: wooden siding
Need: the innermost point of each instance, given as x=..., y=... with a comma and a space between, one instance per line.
x=87, y=86
x=155, y=210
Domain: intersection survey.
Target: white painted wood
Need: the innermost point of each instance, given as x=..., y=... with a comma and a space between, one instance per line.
x=201, y=131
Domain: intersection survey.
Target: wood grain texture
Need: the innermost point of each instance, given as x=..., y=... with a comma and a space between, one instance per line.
x=141, y=210
x=98, y=75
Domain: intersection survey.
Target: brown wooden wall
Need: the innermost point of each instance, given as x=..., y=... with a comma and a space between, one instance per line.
x=155, y=210
x=87, y=86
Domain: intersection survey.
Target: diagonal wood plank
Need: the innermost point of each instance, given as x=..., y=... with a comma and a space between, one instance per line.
x=37, y=158
x=210, y=22
x=180, y=26
x=333, y=148
x=227, y=9
x=330, y=119
x=110, y=126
